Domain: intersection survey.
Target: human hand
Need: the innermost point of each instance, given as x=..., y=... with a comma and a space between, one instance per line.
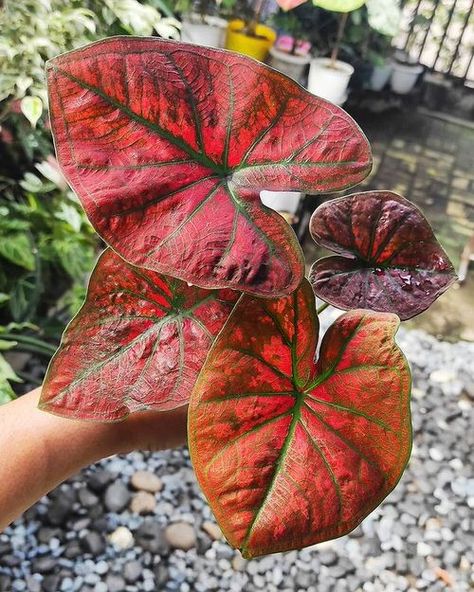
x=39, y=450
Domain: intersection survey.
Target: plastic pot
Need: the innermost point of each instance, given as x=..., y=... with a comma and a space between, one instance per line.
x=380, y=76
x=255, y=47
x=329, y=82
x=282, y=201
x=404, y=77
x=209, y=31
x=291, y=65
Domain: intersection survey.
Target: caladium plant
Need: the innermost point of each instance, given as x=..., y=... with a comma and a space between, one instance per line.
x=388, y=256
x=202, y=300
x=168, y=148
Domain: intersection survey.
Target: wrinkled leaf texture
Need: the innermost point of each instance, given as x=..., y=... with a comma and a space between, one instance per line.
x=168, y=146
x=389, y=258
x=289, y=451
x=138, y=342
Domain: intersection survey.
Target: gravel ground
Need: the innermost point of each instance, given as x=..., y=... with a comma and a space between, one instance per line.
x=116, y=527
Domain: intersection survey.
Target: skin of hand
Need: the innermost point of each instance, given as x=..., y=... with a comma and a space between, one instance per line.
x=39, y=450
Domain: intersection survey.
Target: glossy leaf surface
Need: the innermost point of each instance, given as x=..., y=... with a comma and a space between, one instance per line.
x=168, y=146
x=138, y=342
x=290, y=452
x=390, y=259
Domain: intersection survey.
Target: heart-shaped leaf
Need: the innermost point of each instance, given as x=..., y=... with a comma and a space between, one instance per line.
x=138, y=342
x=168, y=145
x=290, y=452
x=391, y=260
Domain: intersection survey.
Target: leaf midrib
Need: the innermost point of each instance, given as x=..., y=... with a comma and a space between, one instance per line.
x=197, y=156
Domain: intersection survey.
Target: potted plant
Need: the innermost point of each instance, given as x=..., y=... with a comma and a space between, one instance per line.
x=290, y=54
x=251, y=37
x=201, y=23
x=382, y=66
x=406, y=69
x=384, y=21
x=405, y=73
x=368, y=39
x=202, y=301
x=329, y=77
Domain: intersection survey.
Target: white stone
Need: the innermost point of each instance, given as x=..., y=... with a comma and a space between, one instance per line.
x=122, y=538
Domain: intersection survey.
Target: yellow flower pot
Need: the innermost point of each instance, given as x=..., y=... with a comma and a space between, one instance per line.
x=255, y=47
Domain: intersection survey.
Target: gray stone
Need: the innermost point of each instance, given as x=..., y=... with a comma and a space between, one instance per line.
x=61, y=507
x=33, y=584
x=50, y=583
x=46, y=533
x=5, y=583
x=304, y=579
x=93, y=543
x=328, y=557
x=73, y=550
x=115, y=583
x=87, y=498
x=98, y=480
x=116, y=497
x=417, y=565
x=43, y=565
x=161, y=574
x=150, y=536
x=132, y=571
x=451, y=557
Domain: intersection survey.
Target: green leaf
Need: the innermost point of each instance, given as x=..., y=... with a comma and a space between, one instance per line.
x=4, y=298
x=339, y=5
x=32, y=108
x=384, y=16
x=7, y=372
x=24, y=298
x=6, y=392
x=69, y=214
x=6, y=345
x=17, y=248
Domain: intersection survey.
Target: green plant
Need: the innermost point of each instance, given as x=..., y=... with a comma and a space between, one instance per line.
x=203, y=7
x=382, y=17
x=370, y=31
x=289, y=23
x=203, y=298
x=46, y=252
x=35, y=30
x=49, y=244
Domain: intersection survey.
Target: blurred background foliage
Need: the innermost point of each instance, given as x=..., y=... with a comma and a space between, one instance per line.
x=47, y=246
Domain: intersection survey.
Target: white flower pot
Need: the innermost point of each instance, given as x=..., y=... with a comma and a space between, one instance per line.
x=380, y=76
x=404, y=77
x=281, y=201
x=329, y=82
x=210, y=32
x=291, y=65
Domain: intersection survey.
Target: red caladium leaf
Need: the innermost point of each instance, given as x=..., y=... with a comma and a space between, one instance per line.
x=138, y=342
x=390, y=259
x=168, y=145
x=289, y=451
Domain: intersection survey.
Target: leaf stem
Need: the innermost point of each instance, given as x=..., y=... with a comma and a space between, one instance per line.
x=322, y=308
x=25, y=340
x=340, y=33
